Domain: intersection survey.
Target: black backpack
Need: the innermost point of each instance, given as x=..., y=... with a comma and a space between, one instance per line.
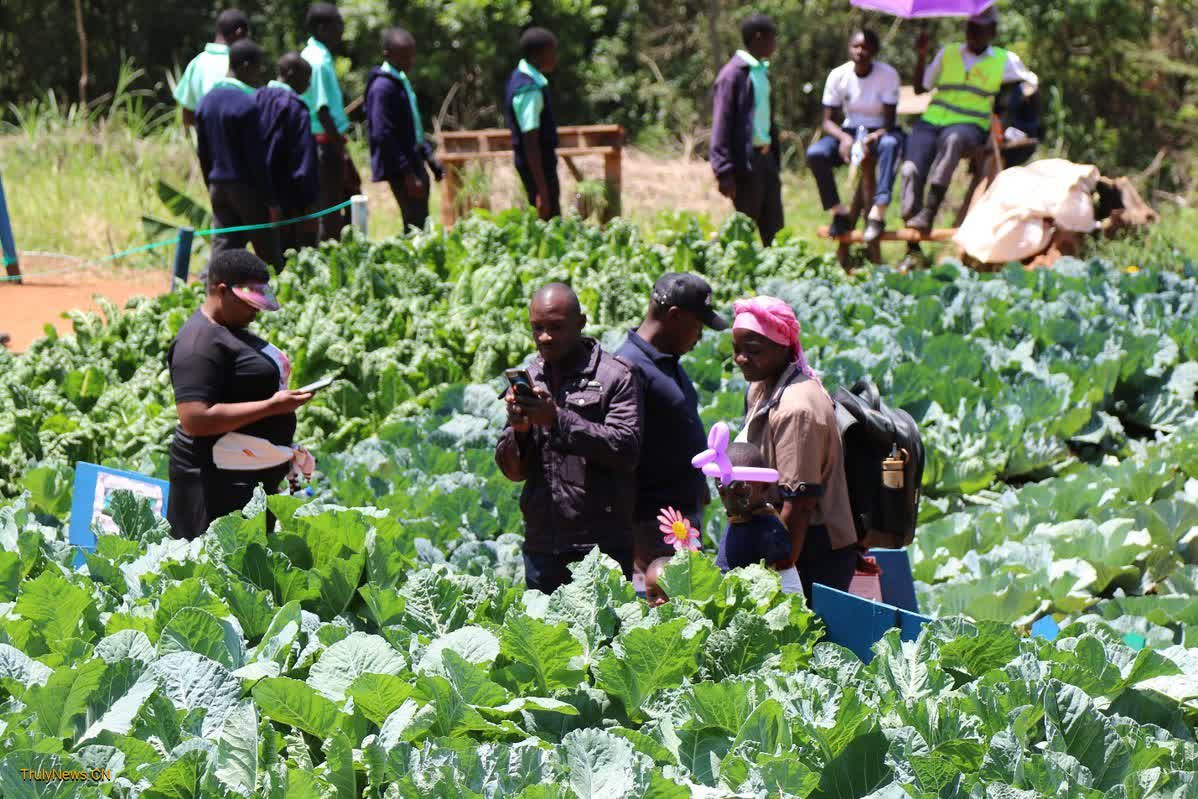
x=872, y=433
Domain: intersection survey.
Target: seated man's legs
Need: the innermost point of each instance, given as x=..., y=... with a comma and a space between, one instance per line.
x=956, y=142
x=887, y=151
x=917, y=162
x=822, y=158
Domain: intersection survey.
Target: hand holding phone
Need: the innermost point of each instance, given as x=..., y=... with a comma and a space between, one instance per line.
x=520, y=382
x=322, y=383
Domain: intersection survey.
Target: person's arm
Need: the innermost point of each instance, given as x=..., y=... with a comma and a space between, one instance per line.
x=834, y=129
x=1015, y=71
x=185, y=95
x=198, y=375
x=532, y=156
x=203, y=152
x=326, y=122
x=321, y=97
x=528, y=107
x=890, y=123
x=925, y=78
x=615, y=442
x=514, y=452
x=800, y=450
x=304, y=167
x=722, y=125
x=796, y=515
x=198, y=418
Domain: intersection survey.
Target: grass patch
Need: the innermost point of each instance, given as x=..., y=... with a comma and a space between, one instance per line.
x=80, y=186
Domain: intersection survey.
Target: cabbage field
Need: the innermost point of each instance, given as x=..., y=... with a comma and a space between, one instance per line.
x=380, y=644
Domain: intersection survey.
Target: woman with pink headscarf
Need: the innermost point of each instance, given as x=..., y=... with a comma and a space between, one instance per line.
x=792, y=421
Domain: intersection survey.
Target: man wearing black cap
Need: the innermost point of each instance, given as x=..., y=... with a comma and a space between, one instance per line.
x=672, y=433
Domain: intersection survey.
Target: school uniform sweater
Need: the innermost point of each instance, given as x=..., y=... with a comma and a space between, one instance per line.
x=290, y=145
x=230, y=141
x=397, y=146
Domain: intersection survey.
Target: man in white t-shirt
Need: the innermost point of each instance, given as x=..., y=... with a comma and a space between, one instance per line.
x=860, y=95
x=967, y=78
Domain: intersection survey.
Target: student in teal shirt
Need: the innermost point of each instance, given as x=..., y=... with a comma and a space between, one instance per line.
x=528, y=106
x=212, y=65
x=338, y=176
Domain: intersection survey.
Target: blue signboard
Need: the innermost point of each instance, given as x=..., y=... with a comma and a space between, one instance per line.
x=92, y=494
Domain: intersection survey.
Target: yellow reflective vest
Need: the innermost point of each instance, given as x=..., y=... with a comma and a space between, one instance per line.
x=966, y=96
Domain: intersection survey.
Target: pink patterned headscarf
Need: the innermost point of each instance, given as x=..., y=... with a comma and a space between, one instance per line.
x=774, y=319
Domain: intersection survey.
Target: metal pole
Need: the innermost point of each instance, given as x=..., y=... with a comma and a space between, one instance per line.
x=358, y=213
x=183, y=255
x=7, y=245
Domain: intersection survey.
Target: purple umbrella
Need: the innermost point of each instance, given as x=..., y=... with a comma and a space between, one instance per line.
x=909, y=9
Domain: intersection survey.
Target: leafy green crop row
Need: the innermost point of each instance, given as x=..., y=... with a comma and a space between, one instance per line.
x=1008, y=375
x=378, y=643
x=334, y=659
x=1128, y=531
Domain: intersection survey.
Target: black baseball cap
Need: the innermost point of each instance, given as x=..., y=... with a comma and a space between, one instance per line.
x=689, y=292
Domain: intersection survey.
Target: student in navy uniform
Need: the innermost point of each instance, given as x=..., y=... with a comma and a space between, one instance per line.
x=209, y=67
x=291, y=148
x=744, y=140
x=530, y=117
x=233, y=157
x=398, y=147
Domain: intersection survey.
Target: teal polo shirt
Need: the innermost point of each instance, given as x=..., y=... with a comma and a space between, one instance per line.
x=528, y=105
x=204, y=71
x=760, y=77
x=324, y=90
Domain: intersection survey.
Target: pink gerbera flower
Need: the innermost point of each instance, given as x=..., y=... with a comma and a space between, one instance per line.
x=678, y=530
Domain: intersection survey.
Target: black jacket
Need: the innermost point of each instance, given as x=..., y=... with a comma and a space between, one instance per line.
x=732, y=122
x=580, y=476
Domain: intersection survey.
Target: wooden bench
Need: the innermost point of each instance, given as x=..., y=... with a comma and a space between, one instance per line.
x=456, y=149
x=984, y=166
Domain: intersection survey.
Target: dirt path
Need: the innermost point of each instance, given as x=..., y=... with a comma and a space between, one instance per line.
x=27, y=307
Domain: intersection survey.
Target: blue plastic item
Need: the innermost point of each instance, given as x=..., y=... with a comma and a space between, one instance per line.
x=90, y=480
x=911, y=624
x=1045, y=627
x=851, y=621
x=898, y=587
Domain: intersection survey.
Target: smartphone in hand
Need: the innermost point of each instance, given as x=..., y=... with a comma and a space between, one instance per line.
x=520, y=382
x=322, y=383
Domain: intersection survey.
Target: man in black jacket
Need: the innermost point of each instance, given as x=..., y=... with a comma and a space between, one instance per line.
x=744, y=139
x=574, y=444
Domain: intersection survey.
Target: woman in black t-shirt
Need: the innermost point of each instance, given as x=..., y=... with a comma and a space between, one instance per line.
x=226, y=380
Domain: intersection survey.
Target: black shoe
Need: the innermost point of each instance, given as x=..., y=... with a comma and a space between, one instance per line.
x=873, y=230
x=922, y=221
x=841, y=224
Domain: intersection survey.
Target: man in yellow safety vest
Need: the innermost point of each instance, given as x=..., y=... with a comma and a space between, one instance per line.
x=966, y=79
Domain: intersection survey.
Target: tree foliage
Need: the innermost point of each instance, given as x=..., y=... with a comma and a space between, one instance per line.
x=1118, y=74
